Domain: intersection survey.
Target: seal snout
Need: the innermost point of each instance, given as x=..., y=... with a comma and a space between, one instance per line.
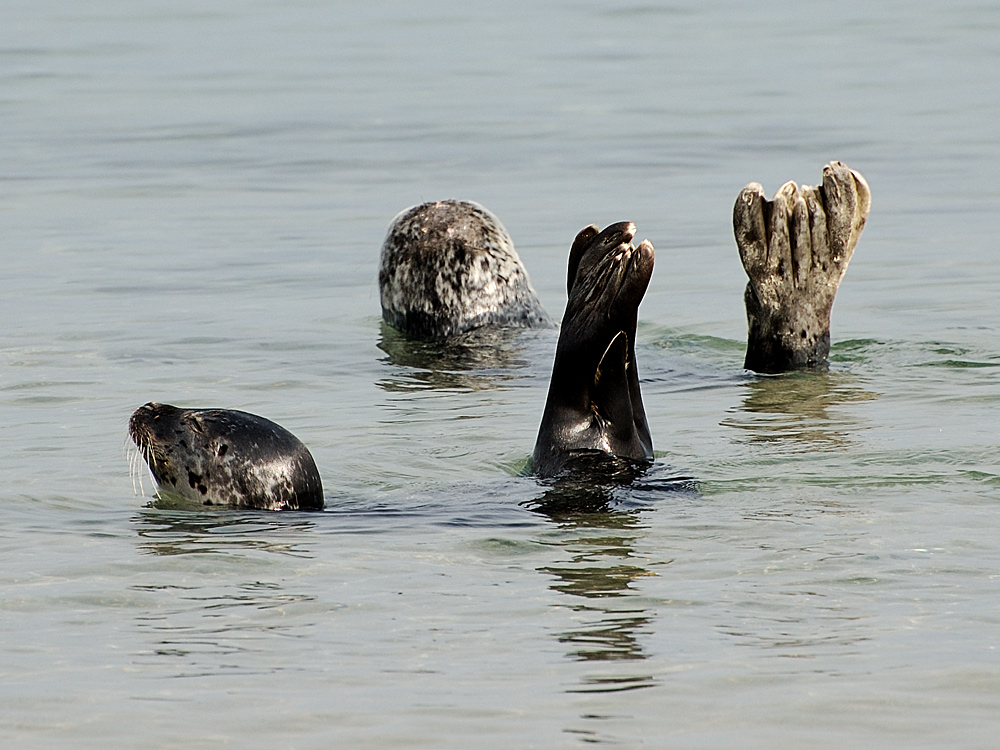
x=145, y=425
x=141, y=417
x=138, y=423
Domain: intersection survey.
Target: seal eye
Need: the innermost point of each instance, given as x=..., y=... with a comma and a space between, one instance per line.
x=223, y=449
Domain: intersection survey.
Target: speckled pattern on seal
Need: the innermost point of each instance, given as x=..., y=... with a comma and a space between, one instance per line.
x=594, y=405
x=449, y=267
x=226, y=457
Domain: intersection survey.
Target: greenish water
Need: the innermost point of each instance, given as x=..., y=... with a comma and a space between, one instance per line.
x=193, y=197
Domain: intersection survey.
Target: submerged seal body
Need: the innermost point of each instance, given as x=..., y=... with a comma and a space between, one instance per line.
x=795, y=249
x=226, y=457
x=594, y=405
x=450, y=267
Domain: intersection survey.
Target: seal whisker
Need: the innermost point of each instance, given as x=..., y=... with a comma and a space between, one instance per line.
x=127, y=452
x=131, y=469
x=134, y=472
x=223, y=457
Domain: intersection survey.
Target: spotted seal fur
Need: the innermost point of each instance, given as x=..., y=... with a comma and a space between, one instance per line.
x=226, y=457
x=449, y=267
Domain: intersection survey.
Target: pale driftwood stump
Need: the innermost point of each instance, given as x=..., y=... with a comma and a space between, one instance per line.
x=795, y=249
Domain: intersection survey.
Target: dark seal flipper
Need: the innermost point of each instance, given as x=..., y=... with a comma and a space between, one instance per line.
x=226, y=457
x=795, y=249
x=594, y=404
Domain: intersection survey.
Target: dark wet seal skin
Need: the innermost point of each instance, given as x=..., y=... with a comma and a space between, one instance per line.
x=795, y=249
x=450, y=267
x=594, y=406
x=226, y=457
x=597, y=483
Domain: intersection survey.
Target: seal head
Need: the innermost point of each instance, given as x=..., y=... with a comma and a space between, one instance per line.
x=226, y=457
x=594, y=405
x=450, y=267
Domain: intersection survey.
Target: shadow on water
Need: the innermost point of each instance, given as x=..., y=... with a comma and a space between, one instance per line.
x=478, y=360
x=597, y=513
x=166, y=529
x=800, y=407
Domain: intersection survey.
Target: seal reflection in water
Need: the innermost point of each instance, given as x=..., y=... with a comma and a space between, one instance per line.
x=450, y=267
x=594, y=407
x=226, y=457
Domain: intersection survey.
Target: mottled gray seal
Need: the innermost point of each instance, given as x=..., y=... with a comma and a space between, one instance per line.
x=226, y=457
x=594, y=405
x=450, y=267
x=795, y=249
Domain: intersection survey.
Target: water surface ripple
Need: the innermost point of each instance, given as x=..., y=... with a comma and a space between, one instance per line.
x=193, y=196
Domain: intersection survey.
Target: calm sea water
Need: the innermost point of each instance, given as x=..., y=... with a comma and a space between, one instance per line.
x=192, y=200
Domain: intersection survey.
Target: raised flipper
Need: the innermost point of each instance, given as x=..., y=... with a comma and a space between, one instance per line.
x=594, y=406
